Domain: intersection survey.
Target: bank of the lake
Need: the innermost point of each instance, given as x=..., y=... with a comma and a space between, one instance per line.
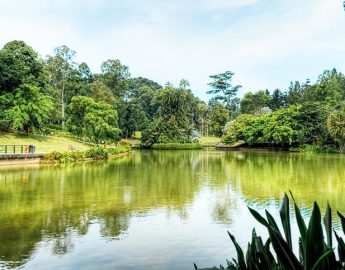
x=92, y=154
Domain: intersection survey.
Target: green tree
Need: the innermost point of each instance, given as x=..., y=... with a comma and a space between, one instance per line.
x=100, y=92
x=19, y=64
x=115, y=76
x=278, y=100
x=24, y=109
x=253, y=103
x=184, y=84
x=294, y=93
x=92, y=120
x=313, y=122
x=60, y=70
x=131, y=117
x=336, y=125
x=218, y=116
x=225, y=92
x=174, y=119
x=236, y=129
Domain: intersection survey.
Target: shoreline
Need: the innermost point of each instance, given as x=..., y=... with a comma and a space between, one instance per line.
x=40, y=160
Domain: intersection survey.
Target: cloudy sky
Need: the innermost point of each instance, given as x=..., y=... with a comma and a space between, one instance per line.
x=267, y=43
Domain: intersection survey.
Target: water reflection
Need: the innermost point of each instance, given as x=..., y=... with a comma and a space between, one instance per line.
x=58, y=204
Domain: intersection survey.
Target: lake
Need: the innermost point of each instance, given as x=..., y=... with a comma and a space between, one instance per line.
x=153, y=209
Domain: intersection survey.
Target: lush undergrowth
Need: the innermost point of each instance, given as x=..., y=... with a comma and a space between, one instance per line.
x=308, y=148
x=95, y=153
x=176, y=146
x=277, y=253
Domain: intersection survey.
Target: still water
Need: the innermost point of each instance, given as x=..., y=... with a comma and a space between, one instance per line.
x=153, y=209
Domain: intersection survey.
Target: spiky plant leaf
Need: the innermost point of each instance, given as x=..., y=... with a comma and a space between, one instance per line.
x=240, y=255
x=314, y=247
x=342, y=219
x=327, y=219
x=285, y=219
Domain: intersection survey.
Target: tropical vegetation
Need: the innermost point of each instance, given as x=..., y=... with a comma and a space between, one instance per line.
x=56, y=94
x=315, y=252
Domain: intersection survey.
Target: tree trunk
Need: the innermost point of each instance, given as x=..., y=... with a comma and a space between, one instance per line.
x=63, y=105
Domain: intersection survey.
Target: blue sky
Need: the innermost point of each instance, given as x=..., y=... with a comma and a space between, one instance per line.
x=267, y=43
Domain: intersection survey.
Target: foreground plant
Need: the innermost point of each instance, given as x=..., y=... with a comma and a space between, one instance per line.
x=314, y=252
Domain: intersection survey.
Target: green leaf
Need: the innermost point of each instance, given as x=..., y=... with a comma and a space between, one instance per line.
x=301, y=225
x=314, y=247
x=258, y=217
x=342, y=219
x=240, y=255
x=328, y=225
x=322, y=259
x=285, y=219
x=341, y=248
x=273, y=223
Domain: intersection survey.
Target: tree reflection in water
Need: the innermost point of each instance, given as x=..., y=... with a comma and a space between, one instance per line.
x=58, y=203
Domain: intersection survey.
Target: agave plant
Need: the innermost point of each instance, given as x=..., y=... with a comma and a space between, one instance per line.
x=314, y=252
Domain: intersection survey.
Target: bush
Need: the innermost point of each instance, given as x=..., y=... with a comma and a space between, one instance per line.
x=309, y=148
x=123, y=148
x=64, y=157
x=53, y=156
x=176, y=146
x=235, y=131
x=94, y=153
x=315, y=253
x=97, y=153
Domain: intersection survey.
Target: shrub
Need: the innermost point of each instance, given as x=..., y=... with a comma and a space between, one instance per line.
x=123, y=148
x=64, y=157
x=176, y=146
x=97, y=153
x=53, y=156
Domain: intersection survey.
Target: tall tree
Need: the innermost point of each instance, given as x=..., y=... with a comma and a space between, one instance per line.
x=184, y=84
x=224, y=90
x=336, y=125
x=294, y=93
x=253, y=103
x=60, y=70
x=278, y=100
x=19, y=64
x=93, y=120
x=174, y=119
x=218, y=118
x=115, y=76
x=24, y=109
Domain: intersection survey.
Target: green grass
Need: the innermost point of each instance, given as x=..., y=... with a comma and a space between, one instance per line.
x=43, y=144
x=210, y=141
x=176, y=146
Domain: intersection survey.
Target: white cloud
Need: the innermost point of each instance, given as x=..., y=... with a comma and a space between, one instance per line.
x=221, y=4
x=266, y=46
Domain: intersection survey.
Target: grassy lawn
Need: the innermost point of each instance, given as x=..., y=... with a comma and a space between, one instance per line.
x=205, y=141
x=131, y=141
x=43, y=144
x=210, y=140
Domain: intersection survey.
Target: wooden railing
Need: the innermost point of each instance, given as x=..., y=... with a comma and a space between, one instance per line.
x=17, y=149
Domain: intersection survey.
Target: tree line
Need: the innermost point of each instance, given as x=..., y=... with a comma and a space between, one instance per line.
x=56, y=94
x=305, y=114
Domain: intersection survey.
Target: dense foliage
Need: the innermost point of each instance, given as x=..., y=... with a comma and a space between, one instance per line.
x=95, y=153
x=59, y=95
x=306, y=114
x=315, y=253
x=91, y=119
